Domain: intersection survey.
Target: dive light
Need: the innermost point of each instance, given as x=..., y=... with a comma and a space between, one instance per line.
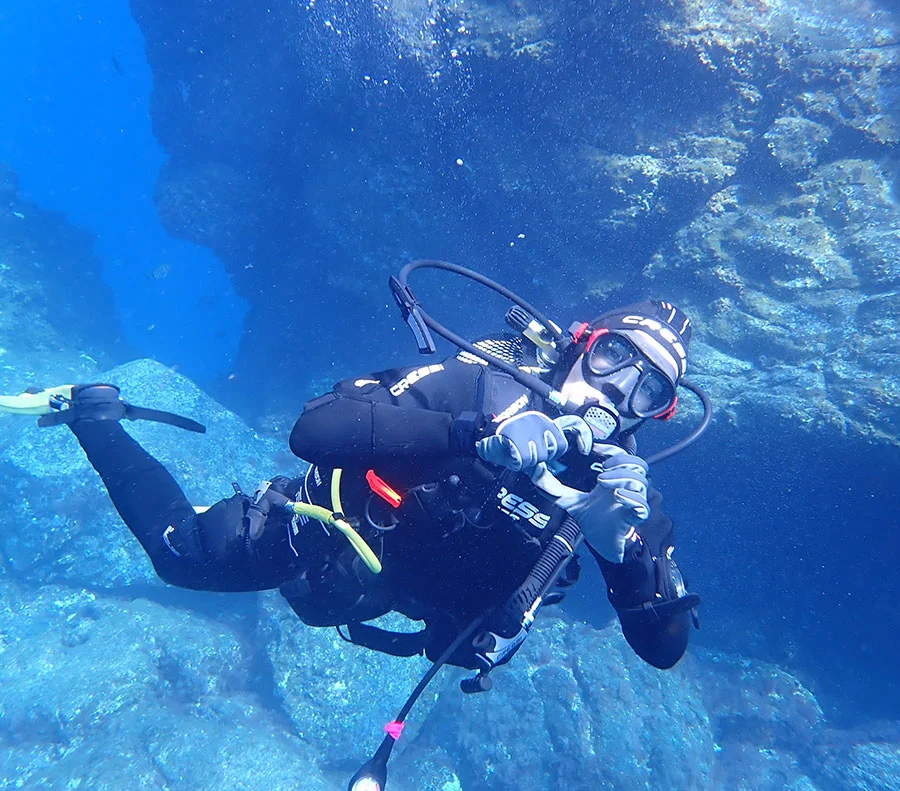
x=372, y=776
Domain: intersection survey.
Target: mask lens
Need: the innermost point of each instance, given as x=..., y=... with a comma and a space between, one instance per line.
x=653, y=395
x=609, y=353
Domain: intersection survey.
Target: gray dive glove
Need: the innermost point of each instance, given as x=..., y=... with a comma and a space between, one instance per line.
x=524, y=441
x=610, y=512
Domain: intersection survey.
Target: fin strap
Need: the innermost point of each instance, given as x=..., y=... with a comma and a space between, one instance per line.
x=131, y=413
x=159, y=416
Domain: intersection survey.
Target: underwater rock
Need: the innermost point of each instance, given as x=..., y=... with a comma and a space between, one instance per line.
x=332, y=202
x=467, y=27
x=102, y=688
x=578, y=709
x=69, y=531
x=756, y=705
x=656, y=182
x=831, y=61
x=56, y=316
x=852, y=761
x=109, y=694
x=805, y=287
x=654, y=118
x=214, y=204
x=338, y=695
x=796, y=142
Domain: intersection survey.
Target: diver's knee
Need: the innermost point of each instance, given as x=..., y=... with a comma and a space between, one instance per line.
x=174, y=560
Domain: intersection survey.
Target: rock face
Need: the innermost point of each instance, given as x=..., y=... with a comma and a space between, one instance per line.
x=738, y=157
x=107, y=693
x=577, y=710
x=56, y=317
x=337, y=695
x=805, y=293
x=794, y=266
x=113, y=680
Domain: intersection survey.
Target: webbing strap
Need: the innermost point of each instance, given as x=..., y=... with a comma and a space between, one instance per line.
x=131, y=413
x=386, y=641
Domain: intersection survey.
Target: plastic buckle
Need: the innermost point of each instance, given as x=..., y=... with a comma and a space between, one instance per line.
x=383, y=490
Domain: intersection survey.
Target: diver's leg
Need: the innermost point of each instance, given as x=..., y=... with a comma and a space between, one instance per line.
x=209, y=551
x=145, y=494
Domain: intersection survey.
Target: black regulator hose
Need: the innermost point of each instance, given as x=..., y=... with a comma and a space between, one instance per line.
x=420, y=322
x=695, y=434
x=372, y=775
x=547, y=568
x=413, y=314
x=513, y=621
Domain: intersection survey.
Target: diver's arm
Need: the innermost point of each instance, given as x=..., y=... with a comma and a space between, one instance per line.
x=367, y=425
x=645, y=578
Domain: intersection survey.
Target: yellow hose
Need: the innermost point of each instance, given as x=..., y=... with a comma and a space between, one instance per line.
x=326, y=517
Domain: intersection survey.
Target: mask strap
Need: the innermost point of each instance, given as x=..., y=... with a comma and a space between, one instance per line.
x=592, y=338
x=670, y=412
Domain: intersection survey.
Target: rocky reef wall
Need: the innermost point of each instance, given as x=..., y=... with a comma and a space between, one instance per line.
x=57, y=319
x=112, y=679
x=737, y=157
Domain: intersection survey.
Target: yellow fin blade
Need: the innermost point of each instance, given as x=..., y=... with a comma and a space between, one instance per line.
x=33, y=403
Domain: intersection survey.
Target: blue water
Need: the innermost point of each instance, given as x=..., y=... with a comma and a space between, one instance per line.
x=332, y=156
x=75, y=126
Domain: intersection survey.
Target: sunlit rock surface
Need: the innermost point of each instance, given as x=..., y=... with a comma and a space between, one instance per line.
x=110, y=693
x=337, y=695
x=802, y=296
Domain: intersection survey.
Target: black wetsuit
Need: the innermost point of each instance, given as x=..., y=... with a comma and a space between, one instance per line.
x=464, y=537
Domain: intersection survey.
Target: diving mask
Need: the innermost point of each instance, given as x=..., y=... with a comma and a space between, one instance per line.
x=614, y=366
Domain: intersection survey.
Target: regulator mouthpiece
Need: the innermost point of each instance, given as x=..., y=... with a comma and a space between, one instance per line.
x=604, y=422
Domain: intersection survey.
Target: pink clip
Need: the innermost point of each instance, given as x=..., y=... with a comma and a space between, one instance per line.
x=394, y=729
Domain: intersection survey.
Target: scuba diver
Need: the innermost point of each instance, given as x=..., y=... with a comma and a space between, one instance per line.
x=455, y=493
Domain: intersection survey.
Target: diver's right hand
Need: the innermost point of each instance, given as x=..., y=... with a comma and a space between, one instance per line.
x=610, y=513
x=524, y=441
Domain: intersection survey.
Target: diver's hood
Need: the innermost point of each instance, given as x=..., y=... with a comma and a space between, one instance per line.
x=659, y=329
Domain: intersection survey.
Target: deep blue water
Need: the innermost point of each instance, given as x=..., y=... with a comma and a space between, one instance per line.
x=75, y=126
x=791, y=541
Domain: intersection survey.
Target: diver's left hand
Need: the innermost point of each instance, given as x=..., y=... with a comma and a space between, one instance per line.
x=529, y=439
x=610, y=512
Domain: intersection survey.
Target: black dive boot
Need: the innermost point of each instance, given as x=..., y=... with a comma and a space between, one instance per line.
x=101, y=402
x=96, y=402
x=86, y=402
